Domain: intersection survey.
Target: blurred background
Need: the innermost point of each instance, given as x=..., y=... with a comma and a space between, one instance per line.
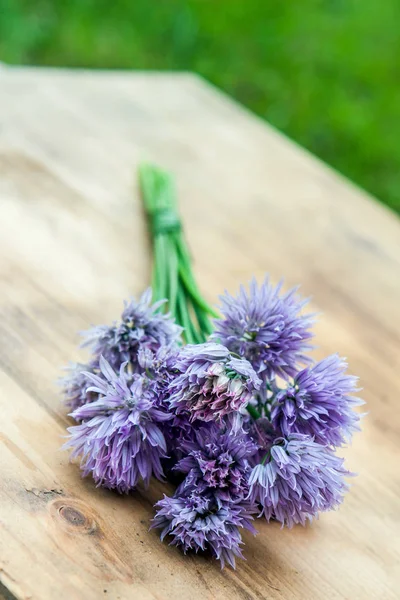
x=324, y=72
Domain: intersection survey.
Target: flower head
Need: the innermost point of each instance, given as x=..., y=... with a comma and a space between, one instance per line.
x=298, y=479
x=119, y=439
x=177, y=431
x=76, y=383
x=211, y=383
x=217, y=461
x=266, y=328
x=320, y=403
x=196, y=522
x=141, y=325
x=159, y=366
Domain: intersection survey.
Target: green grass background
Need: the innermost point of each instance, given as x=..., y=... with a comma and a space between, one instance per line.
x=327, y=72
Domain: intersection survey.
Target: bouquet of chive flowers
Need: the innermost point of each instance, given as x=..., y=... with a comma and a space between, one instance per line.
x=228, y=406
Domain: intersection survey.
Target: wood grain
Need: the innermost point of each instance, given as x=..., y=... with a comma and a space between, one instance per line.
x=73, y=245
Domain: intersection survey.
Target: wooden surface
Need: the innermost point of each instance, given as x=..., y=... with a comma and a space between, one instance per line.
x=73, y=245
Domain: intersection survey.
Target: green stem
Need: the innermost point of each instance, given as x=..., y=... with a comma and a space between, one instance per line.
x=173, y=270
x=185, y=318
x=187, y=276
x=266, y=457
x=161, y=267
x=253, y=412
x=203, y=320
x=172, y=273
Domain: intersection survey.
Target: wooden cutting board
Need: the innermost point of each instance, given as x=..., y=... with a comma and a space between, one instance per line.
x=73, y=245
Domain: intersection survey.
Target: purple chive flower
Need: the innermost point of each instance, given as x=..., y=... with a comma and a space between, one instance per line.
x=177, y=431
x=119, y=440
x=266, y=328
x=159, y=366
x=140, y=326
x=196, y=522
x=299, y=479
x=262, y=434
x=320, y=403
x=211, y=383
x=217, y=460
x=76, y=383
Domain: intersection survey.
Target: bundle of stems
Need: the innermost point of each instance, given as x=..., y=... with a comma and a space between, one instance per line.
x=173, y=277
